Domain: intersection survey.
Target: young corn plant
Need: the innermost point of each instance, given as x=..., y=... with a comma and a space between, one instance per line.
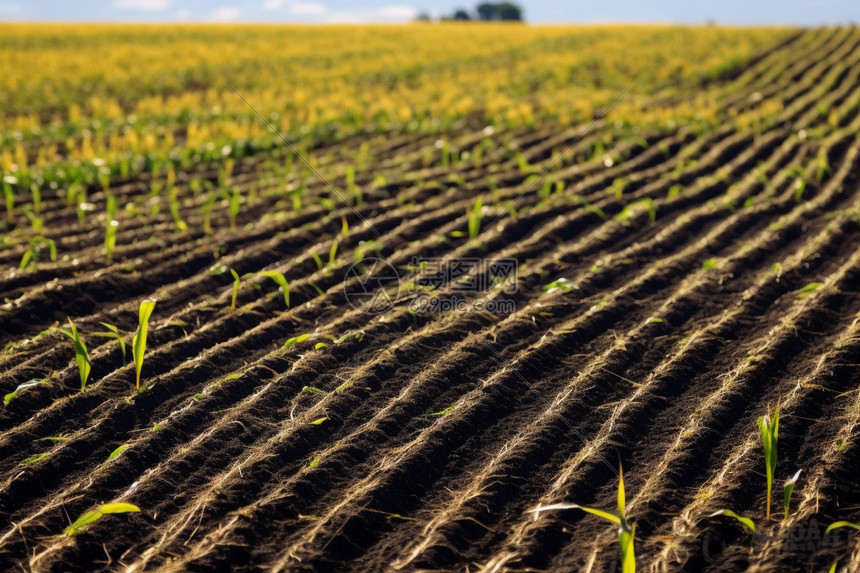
x=474, y=216
x=769, y=427
x=138, y=343
x=91, y=516
x=236, y=282
x=235, y=205
x=110, y=228
x=81, y=354
x=31, y=255
x=626, y=530
x=9, y=196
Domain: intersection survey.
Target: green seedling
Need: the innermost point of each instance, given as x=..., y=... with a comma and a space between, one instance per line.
x=112, y=332
x=822, y=166
x=838, y=524
x=7, y=399
x=81, y=354
x=313, y=390
x=319, y=421
x=332, y=254
x=709, y=264
x=320, y=345
x=234, y=206
x=296, y=339
x=562, y=285
x=808, y=290
x=744, y=520
x=318, y=261
x=281, y=282
x=769, y=436
x=474, y=216
x=36, y=222
x=111, y=228
x=34, y=459
x=116, y=453
x=181, y=226
x=647, y=203
x=34, y=249
x=138, y=343
x=91, y=516
x=626, y=530
x=236, y=282
x=787, y=489
x=225, y=171
x=206, y=211
x=9, y=195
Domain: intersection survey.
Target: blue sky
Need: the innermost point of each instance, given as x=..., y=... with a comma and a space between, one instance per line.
x=807, y=12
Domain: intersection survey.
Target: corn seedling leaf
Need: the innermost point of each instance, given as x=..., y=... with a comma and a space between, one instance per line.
x=138, y=343
x=296, y=339
x=110, y=508
x=313, y=390
x=115, y=454
x=319, y=421
x=786, y=491
x=236, y=281
x=281, y=281
x=838, y=524
x=81, y=354
x=21, y=387
x=808, y=290
x=769, y=427
x=34, y=459
x=112, y=332
x=82, y=522
x=745, y=520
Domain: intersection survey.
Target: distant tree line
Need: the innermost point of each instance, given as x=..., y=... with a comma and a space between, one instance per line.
x=484, y=12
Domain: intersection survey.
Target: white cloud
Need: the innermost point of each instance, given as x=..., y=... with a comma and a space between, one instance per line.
x=398, y=12
x=226, y=14
x=142, y=4
x=307, y=8
x=389, y=13
x=7, y=8
x=184, y=14
x=274, y=4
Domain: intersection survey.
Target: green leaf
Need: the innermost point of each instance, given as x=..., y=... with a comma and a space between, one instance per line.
x=745, y=520
x=110, y=508
x=21, y=387
x=838, y=524
x=296, y=339
x=34, y=459
x=115, y=454
x=281, y=282
x=82, y=522
x=138, y=343
x=313, y=390
x=808, y=290
x=786, y=491
x=319, y=421
x=81, y=355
